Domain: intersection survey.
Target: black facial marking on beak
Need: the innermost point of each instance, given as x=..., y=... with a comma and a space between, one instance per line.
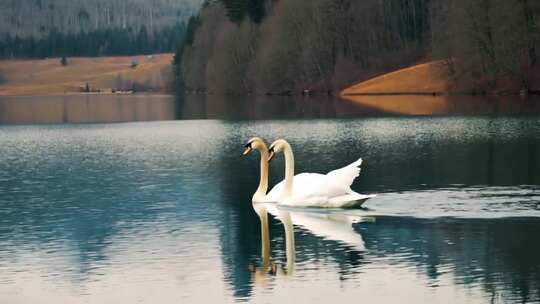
x=247, y=149
x=271, y=153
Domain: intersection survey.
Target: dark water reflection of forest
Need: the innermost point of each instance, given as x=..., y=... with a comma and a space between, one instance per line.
x=142, y=107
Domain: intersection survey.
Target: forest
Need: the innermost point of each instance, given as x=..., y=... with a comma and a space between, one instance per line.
x=47, y=28
x=489, y=45
x=101, y=42
x=287, y=46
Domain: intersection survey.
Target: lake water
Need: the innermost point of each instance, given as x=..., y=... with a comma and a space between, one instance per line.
x=161, y=212
x=102, y=108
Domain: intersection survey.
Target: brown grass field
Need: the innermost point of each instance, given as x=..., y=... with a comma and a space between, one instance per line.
x=423, y=78
x=48, y=76
x=391, y=92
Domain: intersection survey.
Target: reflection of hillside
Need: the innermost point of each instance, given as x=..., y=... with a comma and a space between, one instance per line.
x=405, y=105
x=86, y=108
x=501, y=255
x=122, y=108
x=298, y=107
x=445, y=105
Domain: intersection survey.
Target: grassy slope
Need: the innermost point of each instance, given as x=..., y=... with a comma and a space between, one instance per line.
x=48, y=76
x=423, y=78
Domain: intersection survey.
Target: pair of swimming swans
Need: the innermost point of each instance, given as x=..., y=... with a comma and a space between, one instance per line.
x=331, y=190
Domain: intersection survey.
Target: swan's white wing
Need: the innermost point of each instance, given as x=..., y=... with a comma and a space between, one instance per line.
x=332, y=190
x=313, y=189
x=303, y=185
x=275, y=194
x=346, y=175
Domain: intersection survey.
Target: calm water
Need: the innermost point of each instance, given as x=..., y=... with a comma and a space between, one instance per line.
x=102, y=108
x=160, y=212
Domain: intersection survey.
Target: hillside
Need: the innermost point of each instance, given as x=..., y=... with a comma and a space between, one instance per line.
x=48, y=76
x=427, y=78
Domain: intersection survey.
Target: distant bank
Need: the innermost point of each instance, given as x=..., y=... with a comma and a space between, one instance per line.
x=121, y=75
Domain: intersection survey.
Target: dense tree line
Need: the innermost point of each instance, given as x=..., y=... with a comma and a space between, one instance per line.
x=237, y=10
x=115, y=41
x=292, y=44
x=38, y=18
x=240, y=46
x=488, y=44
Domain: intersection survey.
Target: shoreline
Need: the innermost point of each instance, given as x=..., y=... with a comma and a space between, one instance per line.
x=75, y=94
x=313, y=95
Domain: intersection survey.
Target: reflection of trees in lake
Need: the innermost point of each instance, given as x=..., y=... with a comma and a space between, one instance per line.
x=82, y=187
x=501, y=254
x=271, y=107
x=439, y=154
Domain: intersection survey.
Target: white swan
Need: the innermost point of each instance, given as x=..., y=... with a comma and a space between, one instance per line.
x=331, y=190
x=257, y=143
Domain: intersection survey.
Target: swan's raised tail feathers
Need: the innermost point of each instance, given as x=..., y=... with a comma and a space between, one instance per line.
x=357, y=163
x=346, y=175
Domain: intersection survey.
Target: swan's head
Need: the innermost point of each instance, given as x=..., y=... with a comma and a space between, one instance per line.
x=254, y=143
x=276, y=147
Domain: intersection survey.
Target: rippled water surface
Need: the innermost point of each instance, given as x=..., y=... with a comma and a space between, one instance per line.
x=160, y=212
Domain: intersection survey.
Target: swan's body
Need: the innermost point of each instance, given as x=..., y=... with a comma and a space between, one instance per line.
x=331, y=190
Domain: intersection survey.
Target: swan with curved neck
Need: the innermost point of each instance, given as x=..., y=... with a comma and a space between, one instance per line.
x=279, y=146
x=331, y=190
x=260, y=195
x=256, y=143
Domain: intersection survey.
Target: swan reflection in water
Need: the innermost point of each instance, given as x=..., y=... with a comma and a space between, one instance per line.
x=334, y=226
x=269, y=267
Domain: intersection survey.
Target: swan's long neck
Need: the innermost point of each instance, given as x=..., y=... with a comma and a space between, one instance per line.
x=289, y=170
x=263, y=181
